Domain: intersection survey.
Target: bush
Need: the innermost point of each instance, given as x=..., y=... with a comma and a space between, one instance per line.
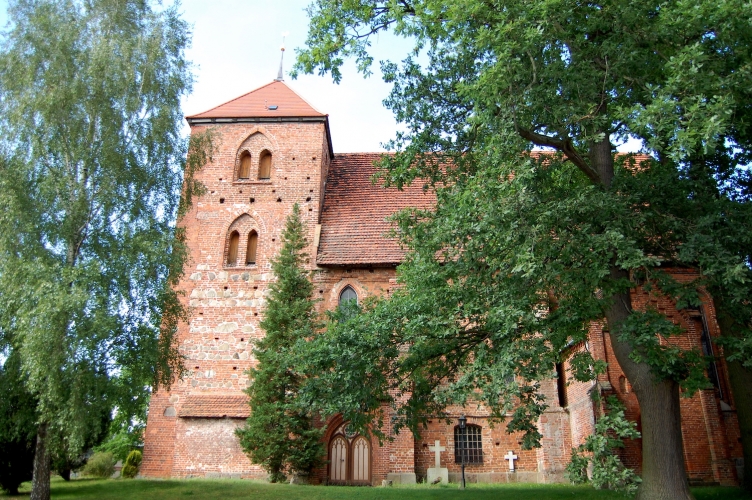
x=100, y=465
x=599, y=453
x=132, y=463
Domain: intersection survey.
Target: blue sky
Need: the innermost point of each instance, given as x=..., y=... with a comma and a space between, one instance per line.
x=235, y=49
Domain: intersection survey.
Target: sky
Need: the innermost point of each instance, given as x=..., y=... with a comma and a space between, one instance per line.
x=236, y=48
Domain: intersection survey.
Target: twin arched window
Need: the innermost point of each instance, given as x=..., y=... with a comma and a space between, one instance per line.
x=250, y=251
x=264, y=166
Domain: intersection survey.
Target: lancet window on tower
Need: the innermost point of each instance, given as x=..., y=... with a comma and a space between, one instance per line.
x=250, y=253
x=244, y=172
x=232, y=251
x=265, y=165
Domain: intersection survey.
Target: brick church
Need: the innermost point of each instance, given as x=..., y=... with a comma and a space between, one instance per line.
x=274, y=150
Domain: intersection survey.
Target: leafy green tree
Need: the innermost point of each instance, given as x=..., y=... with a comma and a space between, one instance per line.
x=280, y=434
x=523, y=252
x=17, y=428
x=90, y=186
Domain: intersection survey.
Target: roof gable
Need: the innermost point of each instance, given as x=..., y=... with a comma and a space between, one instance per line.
x=259, y=103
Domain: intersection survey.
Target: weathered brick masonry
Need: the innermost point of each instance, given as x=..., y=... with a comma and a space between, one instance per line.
x=190, y=430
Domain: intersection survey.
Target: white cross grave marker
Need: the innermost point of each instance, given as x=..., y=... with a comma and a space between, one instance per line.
x=437, y=448
x=511, y=457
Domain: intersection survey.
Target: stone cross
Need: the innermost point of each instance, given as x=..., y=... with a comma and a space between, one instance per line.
x=437, y=448
x=511, y=457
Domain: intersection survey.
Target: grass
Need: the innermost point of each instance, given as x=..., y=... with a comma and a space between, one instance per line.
x=206, y=489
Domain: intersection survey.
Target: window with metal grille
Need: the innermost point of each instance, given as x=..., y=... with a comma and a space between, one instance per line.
x=468, y=443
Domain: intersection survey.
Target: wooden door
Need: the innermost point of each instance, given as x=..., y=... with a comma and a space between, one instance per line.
x=338, y=464
x=361, y=461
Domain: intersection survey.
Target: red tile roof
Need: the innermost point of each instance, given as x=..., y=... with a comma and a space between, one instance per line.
x=215, y=406
x=353, y=220
x=257, y=103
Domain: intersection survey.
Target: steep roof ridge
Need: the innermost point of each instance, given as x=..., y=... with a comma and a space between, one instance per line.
x=236, y=108
x=233, y=100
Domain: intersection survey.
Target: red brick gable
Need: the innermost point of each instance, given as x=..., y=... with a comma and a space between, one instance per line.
x=257, y=104
x=353, y=220
x=215, y=406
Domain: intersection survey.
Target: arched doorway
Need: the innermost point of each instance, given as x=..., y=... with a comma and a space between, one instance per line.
x=349, y=457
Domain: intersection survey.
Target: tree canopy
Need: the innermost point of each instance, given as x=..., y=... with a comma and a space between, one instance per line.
x=524, y=251
x=92, y=168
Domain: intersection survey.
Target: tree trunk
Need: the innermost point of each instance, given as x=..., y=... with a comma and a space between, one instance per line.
x=741, y=385
x=740, y=379
x=65, y=474
x=664, y=476
x=40, y=486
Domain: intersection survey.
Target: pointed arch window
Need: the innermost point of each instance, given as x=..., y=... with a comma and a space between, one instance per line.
x=348, y=294
x=232, y=251
x=250, y=253
x=265, y=165
x=244, y=172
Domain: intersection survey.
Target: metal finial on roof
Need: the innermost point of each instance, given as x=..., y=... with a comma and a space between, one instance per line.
x=280, y=74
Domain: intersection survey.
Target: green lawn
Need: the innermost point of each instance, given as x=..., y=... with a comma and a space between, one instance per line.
x=200, y=489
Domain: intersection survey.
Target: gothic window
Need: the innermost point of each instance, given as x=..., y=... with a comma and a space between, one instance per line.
x=250, y=253
x=698, y=316
x=348, y=294
x=469, y=444
x=244, y=172
x=265, y=165
x=232, y=251
x=561, y=384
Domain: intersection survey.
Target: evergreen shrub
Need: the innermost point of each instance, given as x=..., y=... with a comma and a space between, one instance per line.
x=100, y=464
x=132, y=464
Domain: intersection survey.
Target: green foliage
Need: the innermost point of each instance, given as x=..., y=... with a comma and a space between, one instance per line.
x=523, y=252
x=131, y=465
x=123, y=442
x=17, y=427
x=100, y=464
x=599, y=449
x=91, y=173
x=280, y=435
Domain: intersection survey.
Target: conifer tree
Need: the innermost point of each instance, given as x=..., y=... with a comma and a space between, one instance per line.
x=280, y=435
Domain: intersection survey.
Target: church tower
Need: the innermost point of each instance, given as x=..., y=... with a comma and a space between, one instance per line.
x=273, y=150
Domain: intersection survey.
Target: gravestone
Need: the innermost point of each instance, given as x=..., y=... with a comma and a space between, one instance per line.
x=437, y=471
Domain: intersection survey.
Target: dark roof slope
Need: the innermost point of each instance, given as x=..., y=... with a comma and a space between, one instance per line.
x=353, y=220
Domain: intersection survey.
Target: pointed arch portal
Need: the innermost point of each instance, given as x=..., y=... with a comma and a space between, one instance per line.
x=349, y=457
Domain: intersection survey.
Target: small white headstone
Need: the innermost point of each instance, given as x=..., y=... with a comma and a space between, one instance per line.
x=511, y=457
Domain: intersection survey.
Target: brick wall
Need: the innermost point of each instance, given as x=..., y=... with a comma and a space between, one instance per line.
x=225, y=301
